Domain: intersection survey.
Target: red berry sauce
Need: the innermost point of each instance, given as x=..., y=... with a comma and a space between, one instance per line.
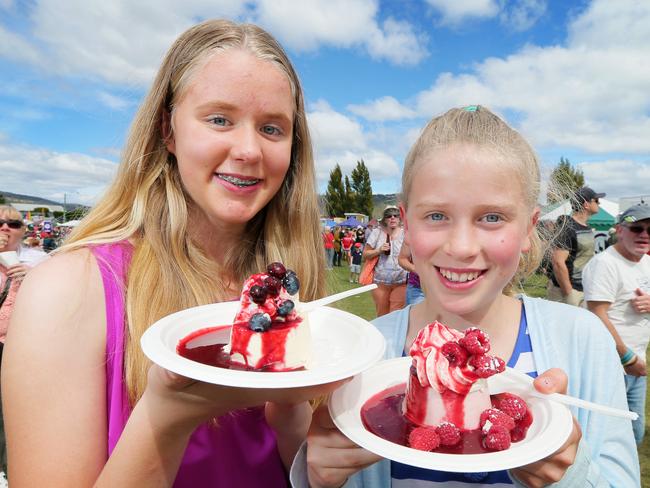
x=382, y=415
x=214, y=354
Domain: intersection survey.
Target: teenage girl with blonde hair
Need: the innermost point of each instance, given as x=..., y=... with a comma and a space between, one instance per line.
x=217, y=156
x=469, y=203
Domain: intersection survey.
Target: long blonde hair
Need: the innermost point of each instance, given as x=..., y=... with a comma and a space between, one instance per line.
x=479, y=126
x=147, y=205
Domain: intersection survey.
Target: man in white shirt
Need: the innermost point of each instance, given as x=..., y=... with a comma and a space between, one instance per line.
x=617, y=288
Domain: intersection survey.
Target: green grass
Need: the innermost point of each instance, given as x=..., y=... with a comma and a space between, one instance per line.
x=363, y=306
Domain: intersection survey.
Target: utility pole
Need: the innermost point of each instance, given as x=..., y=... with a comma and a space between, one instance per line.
x=65, y=219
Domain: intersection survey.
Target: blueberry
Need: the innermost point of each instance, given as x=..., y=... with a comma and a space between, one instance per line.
x=291, y=283
x=259, y=322
x=276, y=269
x=285, y=308
x=258, y=294
x=272, y=285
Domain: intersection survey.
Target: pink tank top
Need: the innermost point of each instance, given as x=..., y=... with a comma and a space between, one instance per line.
x=241, y=452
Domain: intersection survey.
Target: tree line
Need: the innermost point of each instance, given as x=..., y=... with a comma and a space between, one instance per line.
x=349, y=194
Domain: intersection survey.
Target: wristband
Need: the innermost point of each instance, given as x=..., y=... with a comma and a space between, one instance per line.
x=634, y=359
x=625, y=358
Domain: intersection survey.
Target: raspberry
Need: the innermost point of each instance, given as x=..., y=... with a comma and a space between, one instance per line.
x=485, y=365
x=496, y=417
x=449, y=434
x=521, y=427
x=475, y=341
x=513, y=405
x=497, y=438
x=424, y=439
x=456, y=355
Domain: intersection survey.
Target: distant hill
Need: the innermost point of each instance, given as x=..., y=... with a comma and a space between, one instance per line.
x=18, y=198
x=381, y=201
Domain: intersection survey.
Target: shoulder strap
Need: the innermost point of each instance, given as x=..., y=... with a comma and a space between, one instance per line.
x=5, y=291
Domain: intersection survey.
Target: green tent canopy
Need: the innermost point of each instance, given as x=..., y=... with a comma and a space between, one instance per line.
x=602, y=220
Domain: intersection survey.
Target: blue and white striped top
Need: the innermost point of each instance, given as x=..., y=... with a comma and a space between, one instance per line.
x=403, y=476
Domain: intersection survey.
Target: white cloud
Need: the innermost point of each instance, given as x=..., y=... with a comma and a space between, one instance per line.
x=113, y=102
x=522, y=15
x=35, y=171
x=454, y=12
x=383, y=109
x=341, y=140
x=618, y=177
x=305, y=25
x=594, y=99
x=16, y=48
x=623, y=23
x=123, y=42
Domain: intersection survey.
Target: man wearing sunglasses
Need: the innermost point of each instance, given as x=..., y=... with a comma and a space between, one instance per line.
x=617, y=289
x=574, y=248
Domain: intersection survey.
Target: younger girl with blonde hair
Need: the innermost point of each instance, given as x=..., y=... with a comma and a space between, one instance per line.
x=469, y=203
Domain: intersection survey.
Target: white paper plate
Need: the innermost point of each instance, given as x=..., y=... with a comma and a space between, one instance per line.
x=552, y=424
x=9, y=258
x=342, y=344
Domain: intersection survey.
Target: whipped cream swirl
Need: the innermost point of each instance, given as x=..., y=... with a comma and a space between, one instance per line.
x=433, y=368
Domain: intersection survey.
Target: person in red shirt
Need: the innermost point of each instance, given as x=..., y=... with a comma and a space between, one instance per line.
x=328, y=240
x=346, y=244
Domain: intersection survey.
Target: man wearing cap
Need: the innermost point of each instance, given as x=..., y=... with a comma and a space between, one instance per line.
x=617, y=289
x=574, y=248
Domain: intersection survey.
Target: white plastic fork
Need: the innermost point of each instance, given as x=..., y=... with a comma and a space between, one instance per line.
x=308, y=306
x=516, y=382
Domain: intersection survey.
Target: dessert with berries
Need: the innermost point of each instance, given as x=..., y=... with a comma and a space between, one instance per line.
x=445, y=405
x=268, y=333
x=447, y=382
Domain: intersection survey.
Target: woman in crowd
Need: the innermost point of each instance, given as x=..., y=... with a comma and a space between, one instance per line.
x=385, y=243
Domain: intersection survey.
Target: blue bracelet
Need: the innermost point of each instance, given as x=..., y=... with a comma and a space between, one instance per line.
x=629, y=354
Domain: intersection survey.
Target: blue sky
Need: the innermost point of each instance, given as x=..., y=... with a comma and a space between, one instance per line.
x=572, y=76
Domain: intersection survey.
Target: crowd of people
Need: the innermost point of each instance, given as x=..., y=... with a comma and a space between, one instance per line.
x=218, y=155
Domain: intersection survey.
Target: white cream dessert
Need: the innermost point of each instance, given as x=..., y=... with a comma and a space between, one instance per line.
x=268, y=333
x=447, y=382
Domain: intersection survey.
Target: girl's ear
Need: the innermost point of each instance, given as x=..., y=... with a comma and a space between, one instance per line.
x=167, y=132
x=402, y=215
x=532, y=224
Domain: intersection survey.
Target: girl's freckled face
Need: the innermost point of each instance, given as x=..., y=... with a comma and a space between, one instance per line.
x=467, y=225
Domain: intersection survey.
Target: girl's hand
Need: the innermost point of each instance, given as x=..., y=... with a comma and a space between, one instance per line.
x=17, y=271
x=552, y=468
x=4, y=240
x=180, y=402
x=331, y=457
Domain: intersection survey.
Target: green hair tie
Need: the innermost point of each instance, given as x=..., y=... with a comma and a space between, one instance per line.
x=471, y=108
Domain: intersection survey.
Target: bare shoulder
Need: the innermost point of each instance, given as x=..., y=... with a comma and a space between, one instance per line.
x=63, y=291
